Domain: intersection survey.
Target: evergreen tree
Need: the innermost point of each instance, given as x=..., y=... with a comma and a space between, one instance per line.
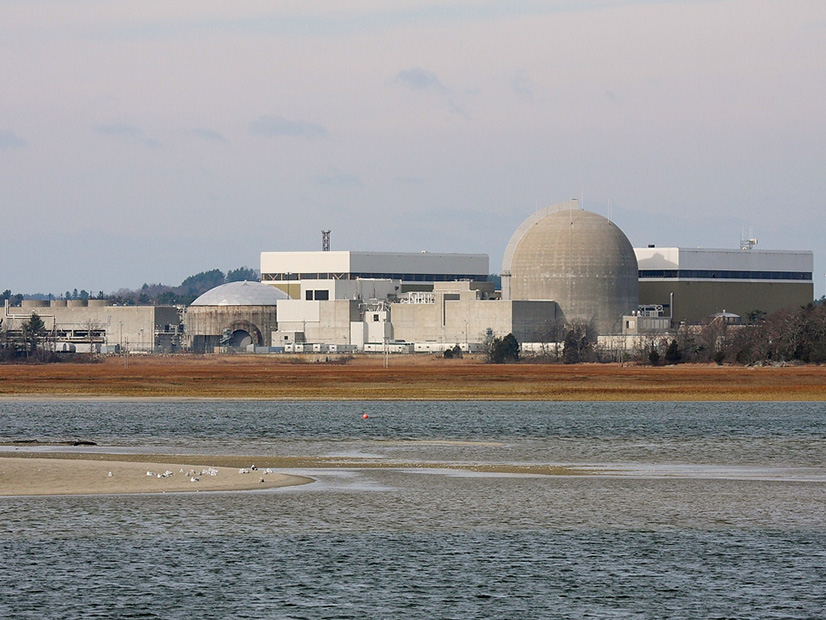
x=503, y=350
x=32, y=329
x=241, y=274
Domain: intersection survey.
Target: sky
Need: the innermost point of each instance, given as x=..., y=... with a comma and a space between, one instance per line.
x=148, y=141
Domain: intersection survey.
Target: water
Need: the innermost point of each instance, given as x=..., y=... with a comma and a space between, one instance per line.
x=713, y=510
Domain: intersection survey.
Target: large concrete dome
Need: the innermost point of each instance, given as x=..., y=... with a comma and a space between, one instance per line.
x=579, y=259
x=241, y=294
x=234, y=315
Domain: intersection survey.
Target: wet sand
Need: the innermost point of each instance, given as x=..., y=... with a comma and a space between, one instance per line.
x=58, y=475
x=74, y=473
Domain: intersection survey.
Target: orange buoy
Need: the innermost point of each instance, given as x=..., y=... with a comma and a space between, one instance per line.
x=365, y=416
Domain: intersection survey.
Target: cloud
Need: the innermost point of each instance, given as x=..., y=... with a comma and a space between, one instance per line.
x=402, y=180
x=269, y=126
x=10, y=140
x=207, y=134
x=336, y=181
x=125, y=131
x=419, y=79
x=119, y=129
x=522, y=87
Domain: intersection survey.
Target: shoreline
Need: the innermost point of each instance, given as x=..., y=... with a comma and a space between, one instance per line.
x=25, y=474
x=53, y=474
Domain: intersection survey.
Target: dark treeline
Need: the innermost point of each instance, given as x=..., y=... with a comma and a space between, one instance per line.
x=150, y=294
x=793, y=335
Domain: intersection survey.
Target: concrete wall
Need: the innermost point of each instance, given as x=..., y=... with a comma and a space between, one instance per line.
x=457, y=317
x=136, y=328
x=320, y=321
x=206, y=324
x=451, y=314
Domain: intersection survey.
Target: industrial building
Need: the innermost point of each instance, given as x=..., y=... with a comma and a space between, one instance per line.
x=692, y=284
x=563, y=265
x=236, y=315
x=579, y=259
x=79, y=325
x=415, y=271
x=451, y=313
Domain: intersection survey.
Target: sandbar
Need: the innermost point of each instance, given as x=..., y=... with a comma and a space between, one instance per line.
x=87, y=476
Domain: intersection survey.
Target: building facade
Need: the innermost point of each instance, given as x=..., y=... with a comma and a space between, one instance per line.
x=415, y=271
x=693, y=284
x=94, y=326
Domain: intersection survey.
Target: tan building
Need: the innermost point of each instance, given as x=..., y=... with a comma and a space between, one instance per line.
x=463, y=313
x=94, y=325
x=234, y=315
x=578, y=259
x=693, y=284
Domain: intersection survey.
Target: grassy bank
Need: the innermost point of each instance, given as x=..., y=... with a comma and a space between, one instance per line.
x=406, y=377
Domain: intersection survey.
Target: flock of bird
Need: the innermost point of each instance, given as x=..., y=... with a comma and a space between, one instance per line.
x=195, y=475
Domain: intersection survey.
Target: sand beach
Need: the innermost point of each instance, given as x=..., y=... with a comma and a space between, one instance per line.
x=92, y=475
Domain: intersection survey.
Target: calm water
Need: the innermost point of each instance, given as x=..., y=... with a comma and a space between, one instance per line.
x=713, y=510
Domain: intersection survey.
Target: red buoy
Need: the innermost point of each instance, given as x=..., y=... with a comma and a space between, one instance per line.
x=365, y=416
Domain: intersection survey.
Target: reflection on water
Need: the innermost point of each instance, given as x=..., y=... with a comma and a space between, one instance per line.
x=712, y=510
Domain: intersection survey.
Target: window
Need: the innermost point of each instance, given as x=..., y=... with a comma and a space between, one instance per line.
x=322, y=295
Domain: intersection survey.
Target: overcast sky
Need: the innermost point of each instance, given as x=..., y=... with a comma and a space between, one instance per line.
x=147, y=141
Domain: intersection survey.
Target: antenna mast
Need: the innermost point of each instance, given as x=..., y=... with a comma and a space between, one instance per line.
x=749, y=242
x=325, y=240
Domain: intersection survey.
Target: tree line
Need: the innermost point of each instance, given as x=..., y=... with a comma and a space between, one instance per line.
x=152, y=294
x=793, y=335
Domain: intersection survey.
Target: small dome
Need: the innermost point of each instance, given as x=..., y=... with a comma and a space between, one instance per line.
x=579, y=259
x=241, y=294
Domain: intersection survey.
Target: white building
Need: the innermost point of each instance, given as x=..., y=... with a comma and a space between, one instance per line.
x=364, y=300
x=414, y=270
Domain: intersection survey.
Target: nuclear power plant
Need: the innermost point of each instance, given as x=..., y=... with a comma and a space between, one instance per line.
x=562, y=266
x=580, y=260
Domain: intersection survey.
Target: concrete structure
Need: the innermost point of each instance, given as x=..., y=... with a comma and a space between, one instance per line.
x=646, y=320
x=415, y=270
x=464, y=314
x=702, y=282
x=305, y=321
x=94, y=325
x=370, y=301
x=578, y=259
x=237, y=314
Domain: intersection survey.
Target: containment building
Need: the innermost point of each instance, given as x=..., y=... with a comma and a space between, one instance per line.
x=578, y=259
